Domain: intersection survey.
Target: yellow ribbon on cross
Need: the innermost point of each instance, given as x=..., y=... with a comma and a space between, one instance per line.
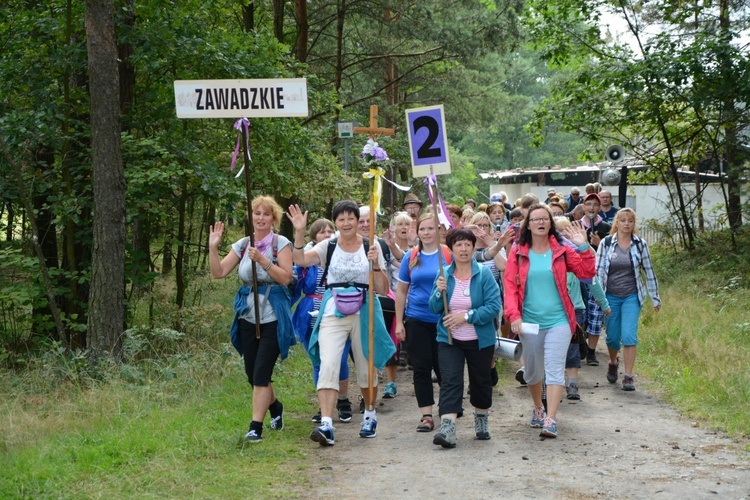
x=377, y=174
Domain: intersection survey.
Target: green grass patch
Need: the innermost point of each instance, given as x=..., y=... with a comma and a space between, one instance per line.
x=696, y=349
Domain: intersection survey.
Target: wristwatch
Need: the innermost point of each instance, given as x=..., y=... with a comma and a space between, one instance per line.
x=466, y=317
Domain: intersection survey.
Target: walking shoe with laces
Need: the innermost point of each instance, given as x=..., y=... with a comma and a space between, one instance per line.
x=390, y=391
x=446, y=436
x=519, y=376
x=482, y=426
x=612, y=372
x=344, y=406
x=323, y=435
x=627, y=383
x=549, y=429
x=277, y=422
x=369, y=428
x=591, y=358
x=253, y=437
x=317, y=417
x=573, y=391
x=537, y=417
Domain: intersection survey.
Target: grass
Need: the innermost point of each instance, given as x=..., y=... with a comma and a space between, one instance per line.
x=169, y=421
x=166, y=426
x=696, y=349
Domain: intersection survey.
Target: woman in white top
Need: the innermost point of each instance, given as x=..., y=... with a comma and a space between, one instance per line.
x=273, y=262
x=348, y=272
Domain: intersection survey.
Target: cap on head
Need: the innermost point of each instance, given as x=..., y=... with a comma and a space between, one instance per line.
x=593, y=196
x=551, y=191
x=496, y=197
x=411, y=198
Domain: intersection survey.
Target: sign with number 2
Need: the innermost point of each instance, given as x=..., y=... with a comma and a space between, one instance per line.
x=428, y=142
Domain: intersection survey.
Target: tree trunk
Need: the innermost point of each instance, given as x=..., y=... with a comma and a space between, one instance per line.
x=278, y=20
x=179, y=260
x=107, y=293
x=248, y=16
x=303, y=29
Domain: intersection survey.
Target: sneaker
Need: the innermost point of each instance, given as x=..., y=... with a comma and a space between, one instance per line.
x=446, y=436
x=323, y=435
x=317, y=417
x=591, y=358
x=482, y=426
x=537, y=417
x=612, y=372
x=277, y=422
x=344, y=406
x=253, y=437
x=549, y=429
x=369, y=428
x=391, y=390
x=361, y=404
x=519, y=376
x=627, y=383
x=573, y=391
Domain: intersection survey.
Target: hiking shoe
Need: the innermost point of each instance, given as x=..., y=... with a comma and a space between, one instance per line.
x=573, y=391
x=482, y=426
x=323, y=435
x=446, y=436
x=549, y=429
x=591, y=358
x=344, y=406
x=627, y=383
x=253, y=437
x=361, y=404
x=369, y=428
x=277, y=422
x=612, y=372
x=317, y=417
x=390, y=391
x=519, y=376
x=537, y=417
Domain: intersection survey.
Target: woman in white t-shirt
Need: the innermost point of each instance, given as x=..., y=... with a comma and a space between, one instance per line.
x=347, y=272
x=260, y=348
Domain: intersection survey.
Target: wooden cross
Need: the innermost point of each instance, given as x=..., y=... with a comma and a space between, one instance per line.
x=373, y=130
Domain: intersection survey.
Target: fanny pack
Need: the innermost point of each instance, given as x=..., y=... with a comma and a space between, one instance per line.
x=349, y=300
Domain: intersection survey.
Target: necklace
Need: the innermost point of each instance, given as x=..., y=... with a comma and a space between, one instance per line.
x=466, y=292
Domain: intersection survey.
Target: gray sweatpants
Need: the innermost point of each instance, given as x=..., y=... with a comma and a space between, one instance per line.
x=544, y=355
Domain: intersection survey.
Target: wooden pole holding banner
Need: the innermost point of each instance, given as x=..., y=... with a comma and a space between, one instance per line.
x=440, y=250
x=246, y=155
x=371, y=312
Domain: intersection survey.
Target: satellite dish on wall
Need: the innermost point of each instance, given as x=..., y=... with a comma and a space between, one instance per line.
x=615, y=153
x=611, y=177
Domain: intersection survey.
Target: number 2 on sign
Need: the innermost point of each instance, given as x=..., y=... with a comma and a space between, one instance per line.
x=433, y=130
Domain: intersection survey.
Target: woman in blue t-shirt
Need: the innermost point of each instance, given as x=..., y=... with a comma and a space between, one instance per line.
x=418, y=327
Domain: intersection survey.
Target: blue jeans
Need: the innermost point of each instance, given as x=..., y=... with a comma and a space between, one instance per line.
x=622, y=324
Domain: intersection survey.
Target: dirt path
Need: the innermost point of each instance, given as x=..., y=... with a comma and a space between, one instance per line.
x=611, y=444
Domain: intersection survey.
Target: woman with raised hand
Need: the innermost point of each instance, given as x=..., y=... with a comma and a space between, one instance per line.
x=539, y=308
x=473, y=304
x=620, y=259
x=415, y=323
x=273, y=264
x=344, y=312
x=306, y=313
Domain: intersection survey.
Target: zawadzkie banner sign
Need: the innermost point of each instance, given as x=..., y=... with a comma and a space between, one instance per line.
x=264, y=98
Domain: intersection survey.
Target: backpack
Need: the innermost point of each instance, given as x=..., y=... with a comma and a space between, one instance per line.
x=638, y=244
x=329, y=254
x=447, y=255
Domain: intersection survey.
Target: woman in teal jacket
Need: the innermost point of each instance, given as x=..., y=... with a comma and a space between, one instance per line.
x=474, y=302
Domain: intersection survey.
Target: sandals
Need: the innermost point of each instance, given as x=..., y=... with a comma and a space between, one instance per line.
x=427, y=424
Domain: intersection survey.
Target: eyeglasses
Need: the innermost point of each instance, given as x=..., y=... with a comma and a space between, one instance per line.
x=412, y=209
x=539, y=220
x=483, y=225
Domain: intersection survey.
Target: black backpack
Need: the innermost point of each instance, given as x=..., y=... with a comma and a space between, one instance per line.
x=329, y=253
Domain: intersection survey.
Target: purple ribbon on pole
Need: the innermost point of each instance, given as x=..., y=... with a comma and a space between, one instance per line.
x=242, y=124
x=431, y=180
